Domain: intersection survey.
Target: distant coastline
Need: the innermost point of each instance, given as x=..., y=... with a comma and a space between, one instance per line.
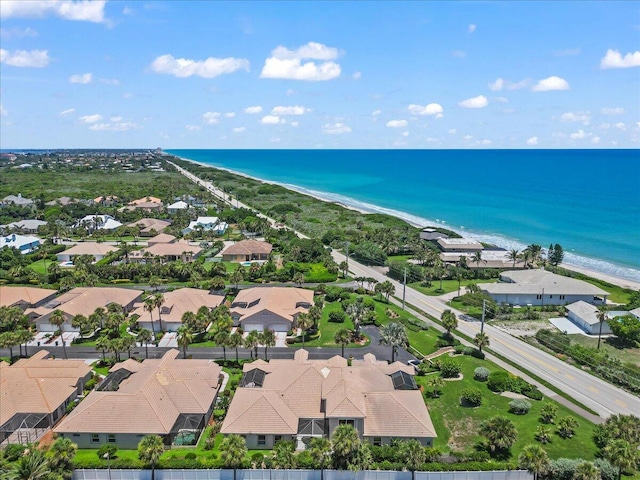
x=616, y=274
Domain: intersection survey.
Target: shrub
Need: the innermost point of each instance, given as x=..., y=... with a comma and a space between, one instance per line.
x=481, y=374
x=90, y=384
x=424, y=368
x=543, y=434
x=109, y=448
x=450, y=369
x=519, y=406
x=548, y=412
x=257, y=458
x=499, y=381
x=567, y=427
x=337, y=316
x=531, y=391
x=13, y=452
x=459, y=349
x=210, y=442
x=190, y=456
x=471, y=397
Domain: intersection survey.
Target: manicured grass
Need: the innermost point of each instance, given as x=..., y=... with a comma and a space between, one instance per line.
x=468, y=309
x=611, y=346
x=328, y=329
x=41, y=266
x=101, y=370
x=448, y=286
x=457, y=426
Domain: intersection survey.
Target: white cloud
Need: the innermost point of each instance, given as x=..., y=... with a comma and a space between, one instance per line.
x=289, y=64
x=275, y=140
x=127, y=11
x=193, y=128
x=66, y=112
x=595, y=139
x=486, y=142
x=397, y=123
x=127, y=95
x=3, y=111
x=579, y=135
x=430, y=109
x=452, y=131
x=502, y=84
x=357, y=75
x=95, y=118
x=532, y=141
x=614, y=59
x=211, y=118
x=620, y=125
x=335, y=128
x=209, y=68
x=115, y=119
x=253, y=110
x=612, y=111
x=583, y=117
x=405, y=134
x=114, y=127
x=502, y=99
x=497, y=85
x=375, y=113
x=551, y=83
x=292, y=110
x=17, y=32
x=468, y=137
x=472, y=28
x=230, y=114
x=294, y=124
x=239, y=129
x=81, y=78
x=270, y=120
x=24, y=58
x=81, y=10
x=475, y=102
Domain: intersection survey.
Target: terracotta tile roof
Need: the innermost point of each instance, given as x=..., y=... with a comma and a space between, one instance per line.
x=28, y=295
x=149, y=224
x=247, y=247
x=170, y=249
x=150, y=400
x=89, y=248
x=178, y=302
x=293, y=389
x=38, y=384
x=145, y=200
x=285, y=302
x=85, y=300
x=161, y=238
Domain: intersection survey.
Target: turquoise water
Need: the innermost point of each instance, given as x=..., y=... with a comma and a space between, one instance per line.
x=586, y=200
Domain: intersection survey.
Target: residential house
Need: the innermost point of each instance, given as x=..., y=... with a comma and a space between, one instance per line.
x=150, y=226
x=168, y=252
x=429, y=233
x=465, y=245
x=636, y=312
x=176, y=304
x=97, y=250
x=82, y=301
x=247, y=251
x=541, y=287
x=107, y=201
x=98, y=222
x=161, y=238
x=24, y=244
x=270, y=308
x=149, y=204
x=296, y=400
x=490, y=259
x=25, y=297
x=206, y=224
x=34, y=394
x=18, y=200
x=169, y=397
x=26, y=226
x=62, y=201
x=178, y=207
x=584, y=315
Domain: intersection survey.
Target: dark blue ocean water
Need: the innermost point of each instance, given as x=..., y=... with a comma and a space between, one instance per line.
x=586, y=200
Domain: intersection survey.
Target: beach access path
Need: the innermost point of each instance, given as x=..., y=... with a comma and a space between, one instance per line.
x=596, y=394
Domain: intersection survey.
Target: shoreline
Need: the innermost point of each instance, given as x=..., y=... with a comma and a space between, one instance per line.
x=366, y=208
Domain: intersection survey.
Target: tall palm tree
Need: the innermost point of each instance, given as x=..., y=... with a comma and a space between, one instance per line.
x=535, y=459
x=8, y=340
x=601, y=315
x=320, y=450
x=500, y=433
x=80, y=322
x=62, y=452
x=345, y=442
x=514, y=255
x=394, y=335
x=33, y=466
x=477, y=259
x=621, y=454
x=149, y=306
x=232, y=451
x=235, y=341
x=184, y=338
x=304, y=323
x=342, y=338
x=481, y=340
x=221, y=338
x=158, y=301
x=57, y=319
x=298, y=278
x=586, y=471
x=449, y=321
x=25, y=335
x=144, y=337
x=268, y=339
x=150, y=449
x=413, y=455
x=251, y=342
x=102, y=343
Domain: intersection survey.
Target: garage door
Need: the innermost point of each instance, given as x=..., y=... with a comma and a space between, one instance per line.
x=253, y=326
x=279, y=327
x=46, y=327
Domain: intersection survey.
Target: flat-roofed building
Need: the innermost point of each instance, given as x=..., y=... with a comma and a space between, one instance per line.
x=585, y=316
x=270, y=308
x=541, y=287
x=23, y=243
x=35, y=392
x=429, y=233
x=97, y=250
x=169, y=397
x=176, y=304
x=459, y=245
x=300, y=399
x=247, y=251
x=25, y=297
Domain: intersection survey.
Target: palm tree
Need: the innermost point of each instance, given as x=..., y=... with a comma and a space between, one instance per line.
x=586, y=471
x=57, y=319
x=298, y=278
x=232, y=451
x=601, y=315
x=150, y=449
x=251, y=342
x=320, y=450
x=449, y=321
x=344, y=268
x=500, y=432
x=235, y=341
x=236, y=277
x=144, y=337
x=150, y=306
x=25, y=335
x=394, y=335
x=481, y=340
x=622, y=455
x=477, y=259
x=413, y=455
x=221, y=338
x=284, y=455
x=158, y=301
x=8, y=340
x=80, y=322
x=33, y=466
x=345, y=442
x=304, y=323
x=514, y=255
x=184, y=338
x=268, y=339
x=342, y=338
x=62, y=454
x=102, y=343
x=535, y=459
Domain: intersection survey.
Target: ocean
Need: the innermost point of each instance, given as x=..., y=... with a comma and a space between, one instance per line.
x=586, y=200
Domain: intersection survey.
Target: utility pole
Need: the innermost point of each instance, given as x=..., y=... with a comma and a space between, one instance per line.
x=404, y=287
x=484, y=306
x=347, y=244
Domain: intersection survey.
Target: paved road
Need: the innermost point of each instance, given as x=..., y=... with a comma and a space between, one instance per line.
x=600, y=396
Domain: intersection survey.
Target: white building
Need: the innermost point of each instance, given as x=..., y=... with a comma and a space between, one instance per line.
x=177, y=206
x=98, y=222
x=206, y=224
x=28, y=226
x=459, y=245
x=25, y=244
x=584, y=315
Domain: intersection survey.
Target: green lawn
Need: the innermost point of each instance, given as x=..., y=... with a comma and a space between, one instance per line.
x=468, y=309
x=41, y=266
x=456, y=426
x=448, y=286
x=611, y=346
x=328, y=329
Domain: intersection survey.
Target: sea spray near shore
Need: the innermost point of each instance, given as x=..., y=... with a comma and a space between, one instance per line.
x=557, y=194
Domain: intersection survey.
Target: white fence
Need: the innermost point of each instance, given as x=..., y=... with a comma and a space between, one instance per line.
x=115, y=474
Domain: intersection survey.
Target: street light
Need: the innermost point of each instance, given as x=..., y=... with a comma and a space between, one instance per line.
x=107, y=457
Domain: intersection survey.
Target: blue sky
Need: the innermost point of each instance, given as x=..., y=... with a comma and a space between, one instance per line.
x=181, y=74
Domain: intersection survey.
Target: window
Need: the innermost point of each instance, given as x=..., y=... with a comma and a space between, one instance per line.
x=347, y=422
x=538, y=297
x=95, y=438
x=111, y=438
x=550, y=296
x=262, y=440
x=76, y=434
x=277, y=438
x=377, y=441
x=561, y=297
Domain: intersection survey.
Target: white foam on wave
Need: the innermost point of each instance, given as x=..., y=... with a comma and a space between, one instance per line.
x=508, y=243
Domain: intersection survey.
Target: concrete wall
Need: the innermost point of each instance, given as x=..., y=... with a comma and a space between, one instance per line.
x=252, y=441
x=426, y=441
x=523, y=299
x=123, y=440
